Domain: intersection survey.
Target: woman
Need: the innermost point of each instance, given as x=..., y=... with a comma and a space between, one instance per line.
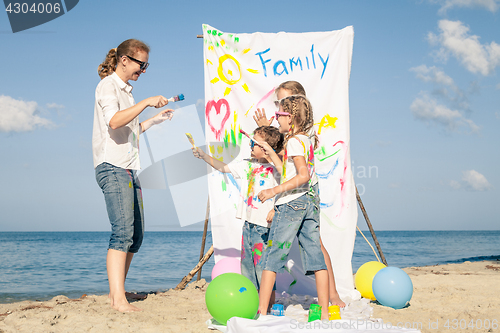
x=115, y=146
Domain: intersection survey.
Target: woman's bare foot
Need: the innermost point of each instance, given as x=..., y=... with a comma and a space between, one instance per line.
x=126, y=307
x=335, y=300
x=123, y=305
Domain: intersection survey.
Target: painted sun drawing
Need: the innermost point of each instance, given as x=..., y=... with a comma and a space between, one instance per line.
x=228, y=67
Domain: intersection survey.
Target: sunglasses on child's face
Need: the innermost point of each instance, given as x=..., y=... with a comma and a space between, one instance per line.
x=252, y=144
x=281, y=114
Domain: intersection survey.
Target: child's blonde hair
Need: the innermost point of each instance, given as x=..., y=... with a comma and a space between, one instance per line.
x=293, y=86
x=129, y=47
x=301, y=113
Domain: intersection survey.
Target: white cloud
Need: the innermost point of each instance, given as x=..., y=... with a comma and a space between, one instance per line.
x=455, y=40
x=55, y=106
x=445, y=87
x=20, y=116
x=491, y=5
x=443, y=84
x=472, y=181
x=455, y=185
x=428, y=110
x=433, y=74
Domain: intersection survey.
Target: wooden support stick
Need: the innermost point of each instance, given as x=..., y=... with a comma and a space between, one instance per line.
x=185, y=280
x=204, y=237
x=371, y=228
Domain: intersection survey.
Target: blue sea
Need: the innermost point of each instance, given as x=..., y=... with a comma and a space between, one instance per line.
x=41, y=265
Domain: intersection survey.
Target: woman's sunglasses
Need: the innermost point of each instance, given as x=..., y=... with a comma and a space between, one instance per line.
x=144, y=65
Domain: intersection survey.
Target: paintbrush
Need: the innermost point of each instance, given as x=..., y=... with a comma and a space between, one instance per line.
x=176, y=98
x=191, y=140
x=248, y=136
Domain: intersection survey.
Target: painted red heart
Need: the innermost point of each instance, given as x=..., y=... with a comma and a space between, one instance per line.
x=217, y=128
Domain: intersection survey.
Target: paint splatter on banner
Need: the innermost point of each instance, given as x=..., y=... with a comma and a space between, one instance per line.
x=241, y=73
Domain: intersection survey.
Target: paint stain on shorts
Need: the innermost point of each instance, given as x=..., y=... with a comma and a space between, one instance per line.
x=257, y=252
x=284, y=245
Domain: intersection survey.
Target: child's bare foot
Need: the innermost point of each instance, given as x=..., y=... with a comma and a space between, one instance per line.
x=335, y=300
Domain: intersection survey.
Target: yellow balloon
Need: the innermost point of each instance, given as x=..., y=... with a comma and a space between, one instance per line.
x=364, y=278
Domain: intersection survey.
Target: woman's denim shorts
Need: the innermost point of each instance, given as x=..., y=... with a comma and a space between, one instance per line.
x=123, y=195
x=299, y=217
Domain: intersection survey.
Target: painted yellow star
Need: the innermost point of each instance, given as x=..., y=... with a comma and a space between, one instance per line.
x=326, y=121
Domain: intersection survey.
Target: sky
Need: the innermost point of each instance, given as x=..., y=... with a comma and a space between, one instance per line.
x=424, y=104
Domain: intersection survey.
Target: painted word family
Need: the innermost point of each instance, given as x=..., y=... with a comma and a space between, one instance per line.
x=311, y=61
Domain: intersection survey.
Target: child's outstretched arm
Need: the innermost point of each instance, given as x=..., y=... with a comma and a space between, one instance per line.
x=300, y=179
x=216, y=164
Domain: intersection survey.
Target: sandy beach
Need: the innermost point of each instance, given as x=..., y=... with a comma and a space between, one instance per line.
x=454, y=297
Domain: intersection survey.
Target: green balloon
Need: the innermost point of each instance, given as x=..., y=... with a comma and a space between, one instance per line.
x=231, y=295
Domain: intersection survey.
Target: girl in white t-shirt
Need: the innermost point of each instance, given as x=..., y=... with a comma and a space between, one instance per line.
x=297, y=202
x=286, y=89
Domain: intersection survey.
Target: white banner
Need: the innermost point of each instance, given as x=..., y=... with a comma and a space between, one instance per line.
x=241, y=73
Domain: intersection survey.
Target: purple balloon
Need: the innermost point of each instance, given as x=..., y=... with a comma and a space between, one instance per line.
x=226, y=265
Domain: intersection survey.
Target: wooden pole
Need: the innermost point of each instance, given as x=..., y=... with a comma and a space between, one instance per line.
x=371, y=228
x=188, y=277
x=202, y=251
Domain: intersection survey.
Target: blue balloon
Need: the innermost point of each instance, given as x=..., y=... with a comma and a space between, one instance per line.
x=392, y=287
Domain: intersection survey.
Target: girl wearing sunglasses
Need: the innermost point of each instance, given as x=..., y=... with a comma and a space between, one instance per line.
x=115, y=147
x=283, y=91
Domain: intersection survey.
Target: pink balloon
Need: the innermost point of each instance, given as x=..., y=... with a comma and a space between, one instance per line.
x=226, y=265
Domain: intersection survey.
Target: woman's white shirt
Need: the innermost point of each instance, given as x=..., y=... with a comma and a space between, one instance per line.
x=119, y=147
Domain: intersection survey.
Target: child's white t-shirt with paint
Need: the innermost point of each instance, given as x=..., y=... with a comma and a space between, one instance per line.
x=255, y=177
x=298, y=145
